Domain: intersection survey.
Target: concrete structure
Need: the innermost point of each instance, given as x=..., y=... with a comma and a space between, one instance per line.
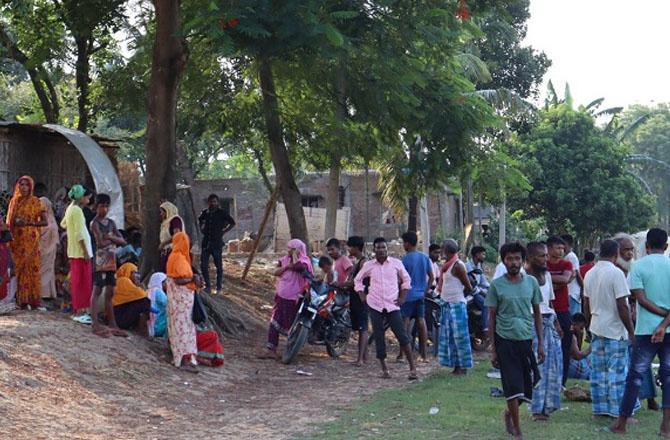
x=246, y=200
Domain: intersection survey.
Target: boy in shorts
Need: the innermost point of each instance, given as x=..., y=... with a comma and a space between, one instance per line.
x=107, y=238
x=514, y=316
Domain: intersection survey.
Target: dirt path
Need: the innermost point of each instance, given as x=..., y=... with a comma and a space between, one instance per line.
x=58, y=381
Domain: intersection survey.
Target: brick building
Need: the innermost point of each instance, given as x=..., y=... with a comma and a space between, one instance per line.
x=246, y=200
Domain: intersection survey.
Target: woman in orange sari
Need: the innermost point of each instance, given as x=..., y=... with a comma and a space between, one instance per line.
x=181, y=285
x=25, y=216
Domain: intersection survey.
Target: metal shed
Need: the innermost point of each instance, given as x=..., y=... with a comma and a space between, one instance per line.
x=60, y=157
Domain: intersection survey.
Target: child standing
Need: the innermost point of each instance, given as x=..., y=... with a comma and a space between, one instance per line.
x=107, y=237
x=358, y=308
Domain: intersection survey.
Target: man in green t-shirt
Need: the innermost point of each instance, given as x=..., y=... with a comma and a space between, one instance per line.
x=511, y=325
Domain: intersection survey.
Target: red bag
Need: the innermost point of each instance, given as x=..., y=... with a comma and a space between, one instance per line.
x=210, y=350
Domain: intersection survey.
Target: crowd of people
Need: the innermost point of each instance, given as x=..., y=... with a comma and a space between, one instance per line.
x=98, y=266
x=548, y=318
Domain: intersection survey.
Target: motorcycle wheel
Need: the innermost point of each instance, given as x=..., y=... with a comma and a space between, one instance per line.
x=296, y=339
x=337, y=348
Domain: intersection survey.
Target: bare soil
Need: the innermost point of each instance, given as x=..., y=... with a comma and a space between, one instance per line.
x=57, y=380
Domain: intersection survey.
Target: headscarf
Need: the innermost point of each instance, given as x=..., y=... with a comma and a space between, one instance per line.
x=156, y=281
x=302, y=253
x=171, y=212
x=179, y=261
x=76, y=192
x=155, y=286
x=126, y=290
x=49, y=237
x=30, y=201
x=291, y=283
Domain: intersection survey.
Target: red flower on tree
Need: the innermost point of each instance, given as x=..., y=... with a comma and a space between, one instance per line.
x=463, y=12
x=230, y=24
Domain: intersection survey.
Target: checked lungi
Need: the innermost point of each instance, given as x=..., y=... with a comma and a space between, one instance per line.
x=609, y=367
x=455, y=350
x=547, y=393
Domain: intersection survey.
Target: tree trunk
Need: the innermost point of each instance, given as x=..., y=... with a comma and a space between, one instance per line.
x=502, y=223
x=83, y=80
x=425, y=224
x=333, y=196
x=258, y=154
x=44, y=88
x=283, y=169
x=367, y=200
x=412, y=218
x=168, y=62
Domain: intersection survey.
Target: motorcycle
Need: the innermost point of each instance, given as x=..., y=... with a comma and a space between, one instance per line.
x=322, y=319
x=478, y=338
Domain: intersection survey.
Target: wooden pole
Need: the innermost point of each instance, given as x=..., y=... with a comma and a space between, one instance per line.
x=261, y=229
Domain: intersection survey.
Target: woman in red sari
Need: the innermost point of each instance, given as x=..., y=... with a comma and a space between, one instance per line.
x=26, y=216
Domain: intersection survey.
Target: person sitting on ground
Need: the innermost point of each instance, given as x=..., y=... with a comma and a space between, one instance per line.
x=580, y=367
x=291, y=284
x=106, y=237
x=389, y=284
x=328, y=272
x=159, y=300
x=131, y=252
x=131, y=305
x=455, y=350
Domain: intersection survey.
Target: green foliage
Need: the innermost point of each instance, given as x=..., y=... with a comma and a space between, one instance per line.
x=579, y=177
x=650, y=140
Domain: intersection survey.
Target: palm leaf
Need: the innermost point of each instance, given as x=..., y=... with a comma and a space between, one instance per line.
x=568, y=95
x=593, y=105
x=505, y=100
x=634, y=126
x=552, y=97
x=473, y=67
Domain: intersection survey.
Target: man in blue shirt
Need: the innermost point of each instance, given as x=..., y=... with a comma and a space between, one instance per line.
x=478, y=254
x=420, y=270
x=649, y=282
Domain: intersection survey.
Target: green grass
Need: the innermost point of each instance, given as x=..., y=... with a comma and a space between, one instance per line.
x=466, y=412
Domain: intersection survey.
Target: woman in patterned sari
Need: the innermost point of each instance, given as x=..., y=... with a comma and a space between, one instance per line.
x=26, y=216
x=181, y=286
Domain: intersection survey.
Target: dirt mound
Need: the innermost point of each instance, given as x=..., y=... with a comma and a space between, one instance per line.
x=59, y=381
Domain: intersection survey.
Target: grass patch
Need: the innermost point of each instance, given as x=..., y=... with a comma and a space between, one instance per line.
x=465, y=412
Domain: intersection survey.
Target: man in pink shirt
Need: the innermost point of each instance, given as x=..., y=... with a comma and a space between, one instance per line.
x=343, y=264
x=389, y=283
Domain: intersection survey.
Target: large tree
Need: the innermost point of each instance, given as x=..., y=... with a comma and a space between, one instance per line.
x=579, y=177
x=650, y=144
x=168, y=60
